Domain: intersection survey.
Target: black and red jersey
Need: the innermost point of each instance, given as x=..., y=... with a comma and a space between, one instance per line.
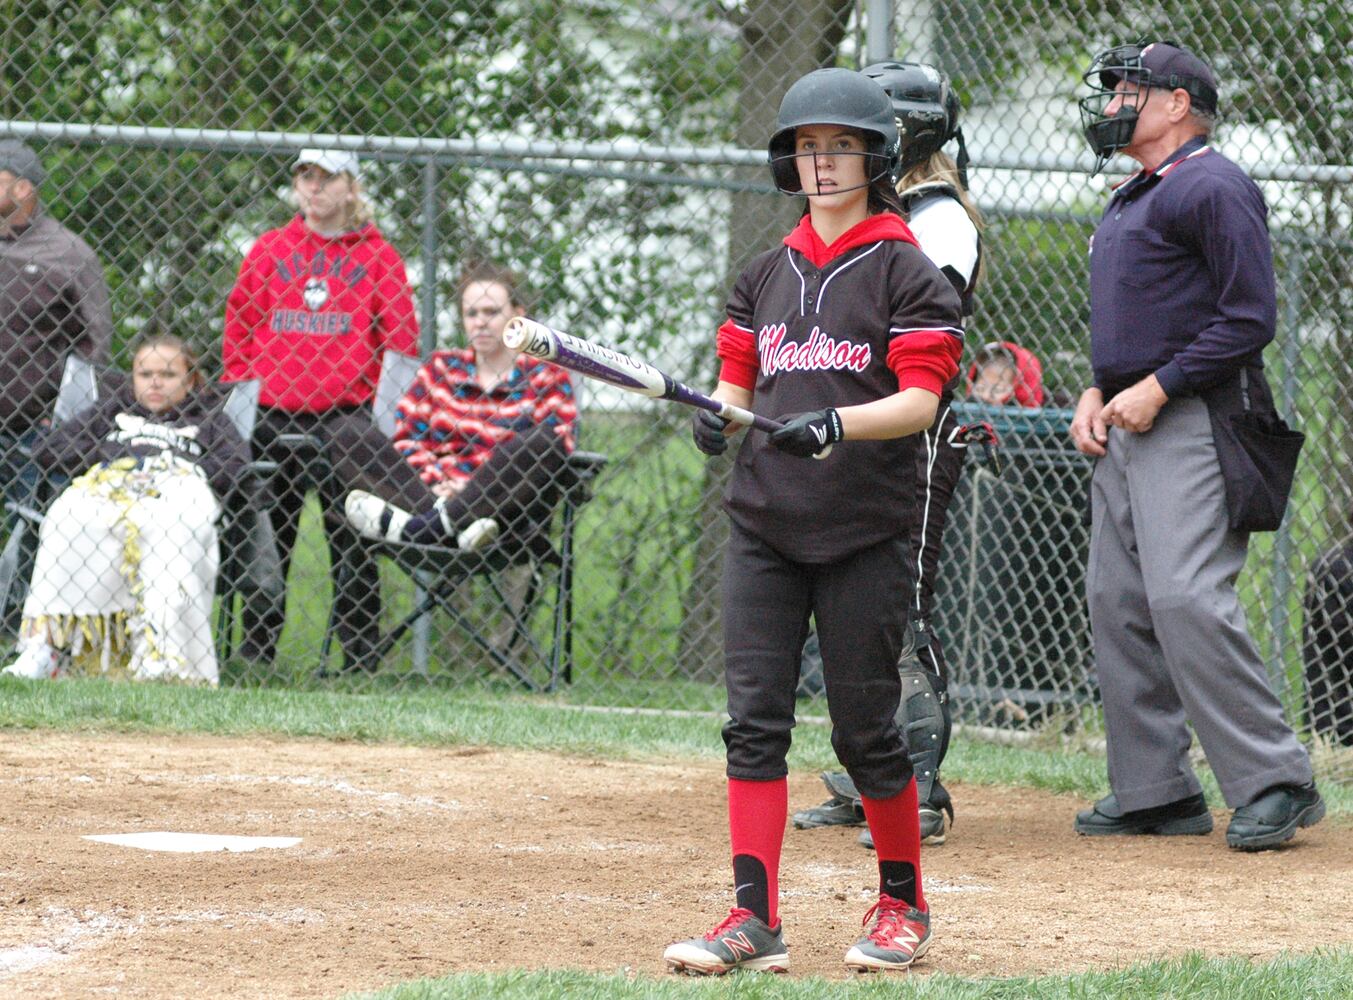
x=811, y=326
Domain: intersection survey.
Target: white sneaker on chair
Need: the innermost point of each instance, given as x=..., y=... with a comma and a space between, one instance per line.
x=37, y=660
x=479, y=535
x=375, y=518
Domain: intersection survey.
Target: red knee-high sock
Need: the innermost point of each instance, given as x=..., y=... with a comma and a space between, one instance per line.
x=897, y=841
x=756, y=826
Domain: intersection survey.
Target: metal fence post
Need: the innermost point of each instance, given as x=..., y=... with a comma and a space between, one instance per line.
x=1280, y=625
x=427, y=295
x=878, y=39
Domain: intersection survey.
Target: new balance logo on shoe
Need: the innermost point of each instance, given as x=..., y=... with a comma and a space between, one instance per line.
x=738, y=944
x=900, y=935
x=740, y=941
x=908, y=939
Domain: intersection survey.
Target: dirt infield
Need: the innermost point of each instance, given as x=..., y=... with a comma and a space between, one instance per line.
x=418, y=862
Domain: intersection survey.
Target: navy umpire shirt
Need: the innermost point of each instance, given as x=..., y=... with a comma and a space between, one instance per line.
x=1181, y=276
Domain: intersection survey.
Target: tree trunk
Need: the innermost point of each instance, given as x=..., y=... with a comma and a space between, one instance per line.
x=780, y=43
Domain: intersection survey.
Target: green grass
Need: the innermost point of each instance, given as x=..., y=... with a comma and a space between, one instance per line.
x=1326, y=973
x=428, y=717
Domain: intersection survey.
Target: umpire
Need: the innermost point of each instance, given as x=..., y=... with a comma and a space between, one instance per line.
x=1182, y=303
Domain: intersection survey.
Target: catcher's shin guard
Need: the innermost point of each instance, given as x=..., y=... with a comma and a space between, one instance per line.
x=923, y=716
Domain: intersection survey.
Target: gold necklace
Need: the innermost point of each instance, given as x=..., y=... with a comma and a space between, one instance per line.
x=494, y=375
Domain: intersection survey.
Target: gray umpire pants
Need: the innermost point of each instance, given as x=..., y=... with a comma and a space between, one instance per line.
x=1170, y=639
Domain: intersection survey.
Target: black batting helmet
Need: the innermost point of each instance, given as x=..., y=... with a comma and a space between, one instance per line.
x=835, y=97
x=924, y=103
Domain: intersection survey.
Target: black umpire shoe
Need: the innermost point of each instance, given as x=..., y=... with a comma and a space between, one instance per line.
x=1107, y=818
x=1274, y=816
x=833, y=812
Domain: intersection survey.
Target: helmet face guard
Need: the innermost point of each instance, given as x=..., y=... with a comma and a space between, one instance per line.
x=1105, y=133
x=785, y=170
x=1175, y=69
x=839, y=97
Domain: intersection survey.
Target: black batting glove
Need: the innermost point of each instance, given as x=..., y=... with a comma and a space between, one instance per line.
x=707, y=430
x=808, y=434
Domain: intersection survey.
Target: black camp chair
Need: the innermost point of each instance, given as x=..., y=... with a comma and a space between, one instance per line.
x=550, y=558
x=442, y=575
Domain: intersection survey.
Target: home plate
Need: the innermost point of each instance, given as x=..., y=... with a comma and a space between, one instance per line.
x=192, y=843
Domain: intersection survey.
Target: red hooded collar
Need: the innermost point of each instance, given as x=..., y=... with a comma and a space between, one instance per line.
x=1028, y=387
x=884, y=226
x=297, y=231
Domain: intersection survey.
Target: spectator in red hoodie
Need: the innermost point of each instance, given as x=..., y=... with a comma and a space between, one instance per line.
x=316, y=305
x=1005, y=374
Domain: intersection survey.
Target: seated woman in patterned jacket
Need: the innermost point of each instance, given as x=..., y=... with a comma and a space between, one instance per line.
x=488, y=432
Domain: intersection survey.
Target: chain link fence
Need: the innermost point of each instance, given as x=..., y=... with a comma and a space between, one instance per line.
x=610, y=154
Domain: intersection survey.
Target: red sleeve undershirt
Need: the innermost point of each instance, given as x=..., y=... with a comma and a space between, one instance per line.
x=924, y=359
x=737, y=349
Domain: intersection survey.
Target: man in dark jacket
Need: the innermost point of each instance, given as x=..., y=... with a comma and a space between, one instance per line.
x=53, y=301
x=53, y=298
x=1182, y=303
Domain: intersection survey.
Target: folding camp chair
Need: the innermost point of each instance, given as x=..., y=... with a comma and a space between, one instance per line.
x=79, y=390
x=251, y=569
x=550, y=558
x=442, y=574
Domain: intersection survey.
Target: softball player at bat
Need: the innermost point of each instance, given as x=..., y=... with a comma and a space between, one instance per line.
x=847, y=334
x=947, y=225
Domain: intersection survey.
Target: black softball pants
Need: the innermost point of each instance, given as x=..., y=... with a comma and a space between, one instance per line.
x=860, y=607
x=518, y=485
x=348, y=452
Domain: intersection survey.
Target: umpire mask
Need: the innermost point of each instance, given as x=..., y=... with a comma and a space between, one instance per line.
x=1164, y=65
x=1107, y=134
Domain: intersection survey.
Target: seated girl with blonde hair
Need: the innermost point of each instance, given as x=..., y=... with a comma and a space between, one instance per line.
x=127, y=555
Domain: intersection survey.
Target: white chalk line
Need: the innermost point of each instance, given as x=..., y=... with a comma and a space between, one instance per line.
x=74, y=933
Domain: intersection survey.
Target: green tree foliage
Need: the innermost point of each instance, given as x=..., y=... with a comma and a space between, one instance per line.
x=171, y=225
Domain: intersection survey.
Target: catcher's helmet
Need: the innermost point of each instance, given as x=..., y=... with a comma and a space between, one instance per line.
x=1159, y=64
x=835, y=97
x=924, y=103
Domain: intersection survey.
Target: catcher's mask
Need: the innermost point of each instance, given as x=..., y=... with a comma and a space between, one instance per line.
x=1162, y=65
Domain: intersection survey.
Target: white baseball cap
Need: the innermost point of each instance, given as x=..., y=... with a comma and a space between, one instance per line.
x=335, y=161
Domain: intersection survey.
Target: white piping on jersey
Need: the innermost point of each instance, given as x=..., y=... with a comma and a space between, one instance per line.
x=931, y=438
x=822, y=292
x=927, y=329
x=803, y=285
